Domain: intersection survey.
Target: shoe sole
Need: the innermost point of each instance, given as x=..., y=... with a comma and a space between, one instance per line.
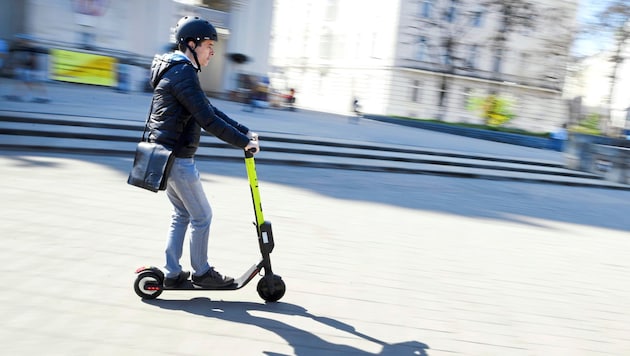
x=222, y=285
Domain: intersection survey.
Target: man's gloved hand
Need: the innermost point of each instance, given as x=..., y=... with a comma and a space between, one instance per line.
x=252, y=135
x=252, y=147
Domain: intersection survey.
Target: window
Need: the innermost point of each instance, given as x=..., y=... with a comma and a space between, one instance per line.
x=427, y=8
x=422, y=49
x=331, y=10
x=477, y=17
x=451, y=12
x=524, y=64
x=447, y=56
x=373, y=46
x=442, y=93
x=473, y=52
x=326, y=44
x=415, y=91
x=498, y=58
x=466, y=97
x=87, y=40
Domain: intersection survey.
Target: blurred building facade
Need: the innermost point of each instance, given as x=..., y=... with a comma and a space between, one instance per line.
x=589, y=83
x=425, y=58
x=130, y=33
x=416, y=58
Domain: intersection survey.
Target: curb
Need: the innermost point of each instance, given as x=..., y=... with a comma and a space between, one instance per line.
x=503, y=137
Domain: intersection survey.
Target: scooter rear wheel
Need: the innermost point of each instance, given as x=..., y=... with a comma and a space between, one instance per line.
x=148, y=285
x=273, y=292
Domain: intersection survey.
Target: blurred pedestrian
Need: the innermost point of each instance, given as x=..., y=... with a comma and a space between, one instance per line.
x=179, y=110
x=291, y=100
x=258, y=97
x=25, y=61
x=558, y=138
x=4, y=55
x=249, y=92
x=356, y=109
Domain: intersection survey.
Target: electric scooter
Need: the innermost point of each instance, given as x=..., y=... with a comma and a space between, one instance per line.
x=149, y=283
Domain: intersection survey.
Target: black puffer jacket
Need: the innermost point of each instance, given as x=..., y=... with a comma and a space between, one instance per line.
x=180, y=109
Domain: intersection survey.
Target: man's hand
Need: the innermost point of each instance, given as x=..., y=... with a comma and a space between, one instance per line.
x=252, y=147
x=252, y=135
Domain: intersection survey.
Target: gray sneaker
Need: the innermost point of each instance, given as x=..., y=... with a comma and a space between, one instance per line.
x=212, y=279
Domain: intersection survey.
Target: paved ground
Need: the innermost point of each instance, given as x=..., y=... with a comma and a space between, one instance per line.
x=375, y=263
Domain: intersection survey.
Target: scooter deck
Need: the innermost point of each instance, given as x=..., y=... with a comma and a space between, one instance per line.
x=238, y=282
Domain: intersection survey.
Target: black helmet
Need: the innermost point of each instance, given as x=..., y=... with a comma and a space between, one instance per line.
x=194, y=28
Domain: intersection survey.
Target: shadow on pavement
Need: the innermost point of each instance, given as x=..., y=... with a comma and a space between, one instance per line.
x=516, y=202
x=303, y=342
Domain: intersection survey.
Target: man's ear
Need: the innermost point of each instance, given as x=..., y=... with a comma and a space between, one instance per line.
x=192, y=44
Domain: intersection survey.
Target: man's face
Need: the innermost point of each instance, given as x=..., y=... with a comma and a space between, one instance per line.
x=205, y=50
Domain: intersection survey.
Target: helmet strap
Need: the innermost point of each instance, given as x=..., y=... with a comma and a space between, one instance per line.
x=195, y=57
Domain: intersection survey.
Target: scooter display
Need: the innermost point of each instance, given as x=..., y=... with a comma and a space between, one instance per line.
x=149, y=283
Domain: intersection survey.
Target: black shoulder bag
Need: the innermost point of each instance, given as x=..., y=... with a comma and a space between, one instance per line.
x=151, y=164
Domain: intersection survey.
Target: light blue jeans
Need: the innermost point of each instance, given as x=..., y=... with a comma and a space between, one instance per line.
x=191, y=207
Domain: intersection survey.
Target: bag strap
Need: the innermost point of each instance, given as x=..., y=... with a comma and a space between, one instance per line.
x=146, y=124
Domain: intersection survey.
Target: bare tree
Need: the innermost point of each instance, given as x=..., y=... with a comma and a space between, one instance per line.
x=514, y=15
x=556, y=45
x=447, y=25
x=442, y=27
x=445, y=22
x=614, y=20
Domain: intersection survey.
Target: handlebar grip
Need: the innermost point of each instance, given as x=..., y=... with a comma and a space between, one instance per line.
x=250, y=152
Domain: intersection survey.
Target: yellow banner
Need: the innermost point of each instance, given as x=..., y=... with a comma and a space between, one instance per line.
x=77, y=67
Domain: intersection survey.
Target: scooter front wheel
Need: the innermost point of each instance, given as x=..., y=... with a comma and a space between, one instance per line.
x=148, y=285
x=271, y=289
